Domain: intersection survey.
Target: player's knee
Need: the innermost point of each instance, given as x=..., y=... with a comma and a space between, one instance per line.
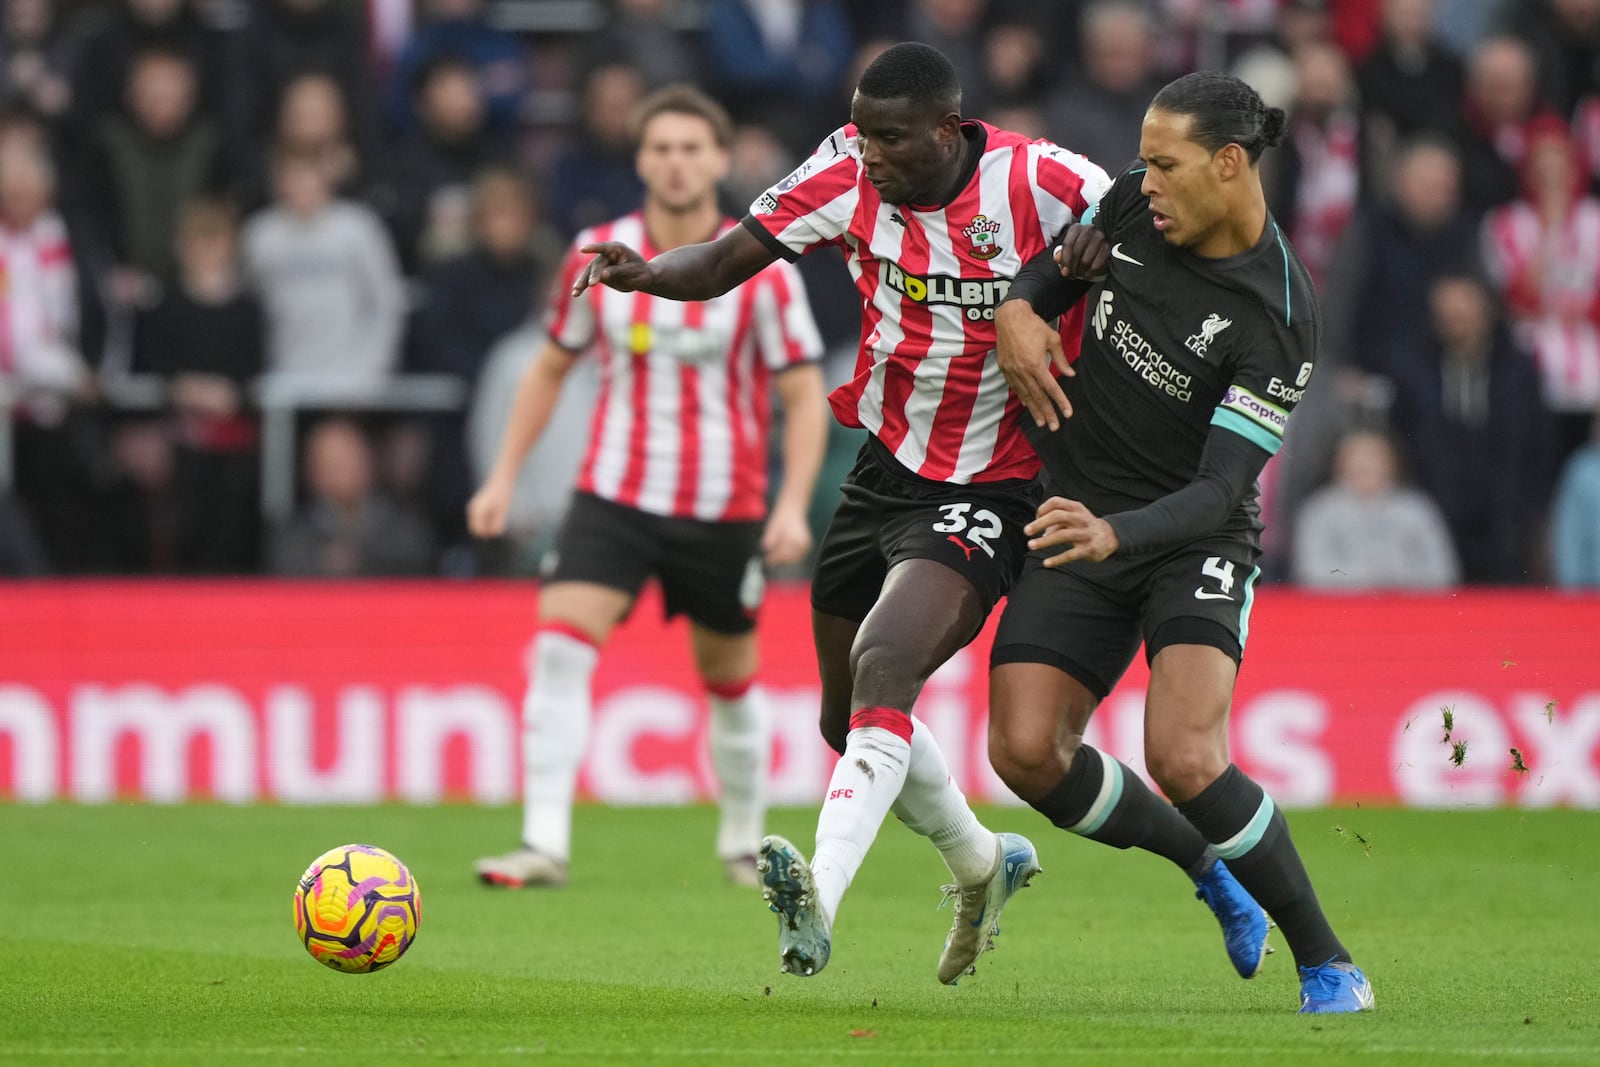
x=1183, y=771
x=1024, y=754
x=886, y=675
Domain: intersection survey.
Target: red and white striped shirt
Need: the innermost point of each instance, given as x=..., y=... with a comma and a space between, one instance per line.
x=38, y=305
x=1550, y=280
x=680, y=426
x=927, y=384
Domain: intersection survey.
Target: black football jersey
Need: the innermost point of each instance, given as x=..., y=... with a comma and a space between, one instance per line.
x=1173, y=345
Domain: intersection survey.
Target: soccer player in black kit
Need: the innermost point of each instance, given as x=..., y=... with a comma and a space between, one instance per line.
x=1201, y=335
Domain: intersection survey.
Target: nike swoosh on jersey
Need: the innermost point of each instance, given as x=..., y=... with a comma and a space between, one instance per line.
x=1201, y=594
x=1118, y=253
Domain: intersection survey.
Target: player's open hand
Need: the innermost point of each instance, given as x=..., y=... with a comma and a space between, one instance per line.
x=1021, y=338
x=787, y=537
x=1068, y=522
x=614, y=264
x=1084, y=253
x=488, y=508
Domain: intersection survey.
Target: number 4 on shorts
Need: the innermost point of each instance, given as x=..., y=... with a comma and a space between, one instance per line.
x=984, y=525
x=1220, y=569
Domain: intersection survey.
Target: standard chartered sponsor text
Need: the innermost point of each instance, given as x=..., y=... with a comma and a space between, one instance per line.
x=1149, y=364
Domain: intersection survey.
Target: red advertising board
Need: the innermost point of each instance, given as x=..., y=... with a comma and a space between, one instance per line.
x=356, y=693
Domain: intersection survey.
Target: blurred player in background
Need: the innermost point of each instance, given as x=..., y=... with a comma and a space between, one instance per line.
x=935, y=215
x=673, y=487
x=1203, y=334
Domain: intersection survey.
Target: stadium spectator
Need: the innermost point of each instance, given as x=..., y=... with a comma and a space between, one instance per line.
x=1315, y=180
x=470, y=301
x=1501, y=101
x=140, y=166
x=1586, y=135
x=347, y=528
x=1099, y=111
x=433, y=166
x=328, y=279
x=954, y=27
x=313, y=119
x=42, y=373
x=1355, y=26
x=279, y=41
x=756, y=161
x=595, y=178
x=205, y=337
x=649, y=37
x=1565, y=37
x=1477, y=434
x=38, y=326
x=460, y=28
x=1202, y=34
x=776, y=61
x=1411, y=84
x=1576, y=525
x=37, y=58
x=1543, y=250
x=111, y=36
x=1366, y=530
x=1268, y=65
x=1463, y=23
x=1390, y=258
x=1015, y=73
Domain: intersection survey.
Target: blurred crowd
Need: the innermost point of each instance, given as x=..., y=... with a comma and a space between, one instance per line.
x=206, y=203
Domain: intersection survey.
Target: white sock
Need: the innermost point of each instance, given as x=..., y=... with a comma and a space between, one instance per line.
x=741, y=748
x=555, y=731
x=865, y=782
x=931, y=804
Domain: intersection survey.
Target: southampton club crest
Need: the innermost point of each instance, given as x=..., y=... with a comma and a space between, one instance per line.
x=1209, y=329
x=980, y=231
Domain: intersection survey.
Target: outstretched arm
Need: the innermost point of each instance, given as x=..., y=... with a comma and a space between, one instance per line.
x=691, y=272
x=787, y=537
x=536, y=397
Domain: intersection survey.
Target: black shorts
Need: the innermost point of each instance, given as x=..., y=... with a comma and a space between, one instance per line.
x=1087, y=619
x=889, y=514
x=709, y=571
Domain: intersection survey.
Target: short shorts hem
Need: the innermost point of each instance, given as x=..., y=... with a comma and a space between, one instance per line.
x=1192, y=630
x=1049, y=657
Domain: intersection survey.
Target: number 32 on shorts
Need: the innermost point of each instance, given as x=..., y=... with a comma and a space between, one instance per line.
x=983, y=525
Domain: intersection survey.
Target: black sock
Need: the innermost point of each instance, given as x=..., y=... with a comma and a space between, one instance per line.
x=1251, y=836
x=1129, y=815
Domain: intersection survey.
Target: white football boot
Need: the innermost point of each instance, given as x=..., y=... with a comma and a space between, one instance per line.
x=978, y=907
x=522, y=869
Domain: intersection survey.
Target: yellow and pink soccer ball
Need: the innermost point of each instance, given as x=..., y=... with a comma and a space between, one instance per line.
x=356, y=909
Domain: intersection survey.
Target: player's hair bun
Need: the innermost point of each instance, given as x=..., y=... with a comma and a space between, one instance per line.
x=1274, y=124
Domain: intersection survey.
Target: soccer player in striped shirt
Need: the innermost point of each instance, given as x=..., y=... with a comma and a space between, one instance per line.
x=934, y=215
x=673, y=487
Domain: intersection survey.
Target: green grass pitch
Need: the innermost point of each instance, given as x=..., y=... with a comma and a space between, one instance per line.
x=164, y=935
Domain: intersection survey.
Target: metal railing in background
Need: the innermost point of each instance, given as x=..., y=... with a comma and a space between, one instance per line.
x=281, y=400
